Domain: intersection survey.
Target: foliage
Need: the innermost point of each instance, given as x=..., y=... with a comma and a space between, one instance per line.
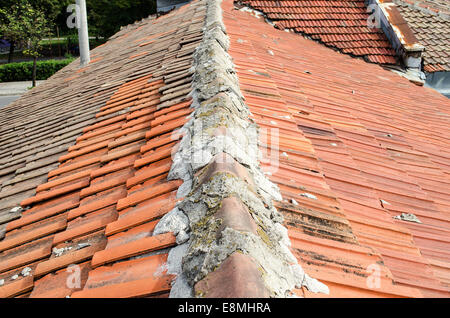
x=23, y=71
x=25, y=24
x=67, y=45
x=51, y=8
x=105, y=17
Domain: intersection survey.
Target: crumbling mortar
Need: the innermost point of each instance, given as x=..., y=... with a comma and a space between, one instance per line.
x=218, y=103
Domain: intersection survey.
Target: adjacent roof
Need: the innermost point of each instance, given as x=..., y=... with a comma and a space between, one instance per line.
x=340, y=24
x=359, y=155
x=439, y=7
x=432, y=30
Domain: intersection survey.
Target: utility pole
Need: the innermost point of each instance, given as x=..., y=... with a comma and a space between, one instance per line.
x=83, y=35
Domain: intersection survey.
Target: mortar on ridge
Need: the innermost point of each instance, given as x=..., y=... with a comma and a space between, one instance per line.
x=218, y=104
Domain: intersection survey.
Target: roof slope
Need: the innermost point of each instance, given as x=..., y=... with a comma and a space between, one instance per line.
x=432, y=31
x=161, y=191
x=40, y=127
x=439, y=7
x=357, y=146
x=101, y=185
x=340, y=24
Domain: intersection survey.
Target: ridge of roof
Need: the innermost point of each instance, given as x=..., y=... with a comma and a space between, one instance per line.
x=237, y=244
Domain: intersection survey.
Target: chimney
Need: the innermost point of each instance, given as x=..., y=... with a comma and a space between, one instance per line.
x=401, y=37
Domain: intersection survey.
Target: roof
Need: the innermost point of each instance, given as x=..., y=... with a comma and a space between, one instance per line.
x=342, y=25
x=69, y=149
x=167, y=5
x=432, y=31
x=350, y=137
x=439, y=7
x=161, y=190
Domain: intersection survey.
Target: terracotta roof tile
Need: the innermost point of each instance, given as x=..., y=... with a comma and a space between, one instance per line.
x=134, y=278
x=55, y=285
x=17, y=287
x=76, y=252
x=141, y=213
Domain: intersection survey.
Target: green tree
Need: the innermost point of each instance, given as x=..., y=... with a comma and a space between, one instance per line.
x=51, y=9
x=10, y=34
x=105, y=17
x=26, y=25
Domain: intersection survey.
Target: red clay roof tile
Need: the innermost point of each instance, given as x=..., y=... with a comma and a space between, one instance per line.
x=134, y=278
x=142, y=213
x=25, y=254
x=43, y=211
x=97, y=203
x=46, y=195
x=91, y=183
x=32, y=232
x=85, y=225
x=237, y=277
x=73, y=166
x=77, y=254
x=17, y=287
x=133, y=248
x=147, y=193
x=55, y=285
